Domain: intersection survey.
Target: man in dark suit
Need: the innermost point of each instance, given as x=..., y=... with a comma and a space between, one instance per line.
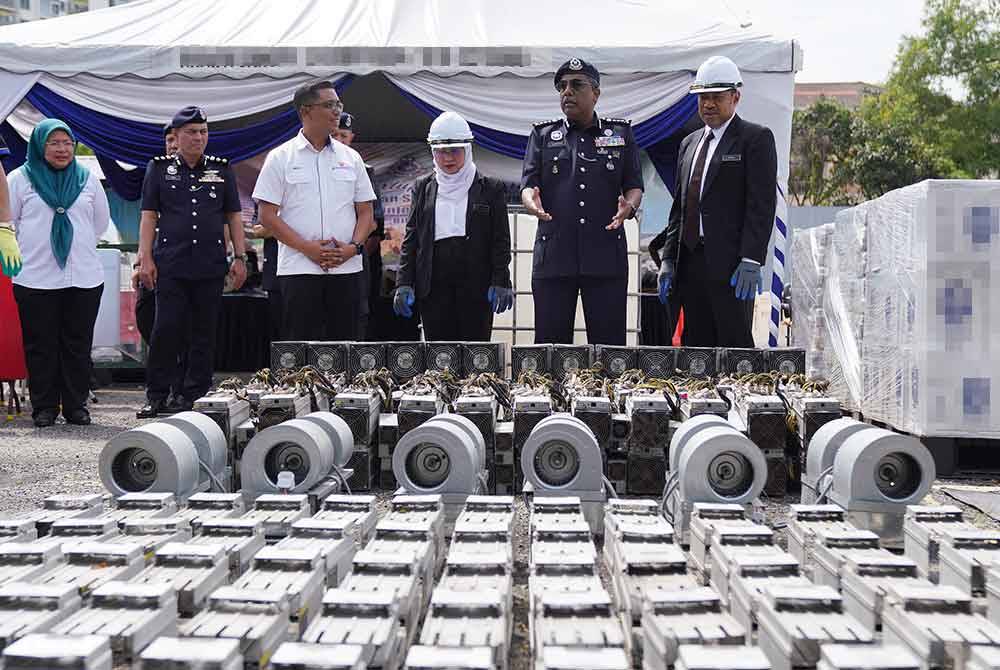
x=721, y=219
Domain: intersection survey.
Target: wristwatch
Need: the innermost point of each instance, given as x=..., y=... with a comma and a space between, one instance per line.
x=241, y=257
x=359, y=247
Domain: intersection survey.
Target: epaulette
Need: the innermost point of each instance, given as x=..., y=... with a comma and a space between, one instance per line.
x=623, y=122
x=539, y=124
x=160, y=159
x=216, y=159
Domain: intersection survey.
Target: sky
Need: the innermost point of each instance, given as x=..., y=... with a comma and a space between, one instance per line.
x=842, y=40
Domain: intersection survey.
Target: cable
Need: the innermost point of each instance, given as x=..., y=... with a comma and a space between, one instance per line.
x=343, y=478
x=211, y=476
x=610, y=486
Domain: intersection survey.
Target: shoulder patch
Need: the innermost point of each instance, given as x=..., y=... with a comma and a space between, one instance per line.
x=621, y=122
x=539, y=124
x=216, y=159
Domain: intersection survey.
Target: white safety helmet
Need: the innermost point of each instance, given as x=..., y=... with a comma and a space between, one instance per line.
x=716, y=74
x=449, y=130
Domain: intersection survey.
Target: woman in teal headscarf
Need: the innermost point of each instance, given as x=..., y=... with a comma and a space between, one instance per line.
x=59, y=211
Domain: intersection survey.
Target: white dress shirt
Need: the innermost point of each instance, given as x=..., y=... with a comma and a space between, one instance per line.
x=315, y=192
x=32, y=219
x=717, y=134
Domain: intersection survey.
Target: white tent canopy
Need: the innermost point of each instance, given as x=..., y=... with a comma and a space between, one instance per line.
x=238, y=38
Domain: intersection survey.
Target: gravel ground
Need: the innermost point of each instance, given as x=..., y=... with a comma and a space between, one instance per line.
x=35, y=463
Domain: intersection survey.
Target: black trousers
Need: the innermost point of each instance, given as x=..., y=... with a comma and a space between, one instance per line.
x=187, y=313
x=57, y=326
x=275, y=309
x=603, y=309
x=713, y=315
x=320, y=307
x=145, y=317
x=455, y=309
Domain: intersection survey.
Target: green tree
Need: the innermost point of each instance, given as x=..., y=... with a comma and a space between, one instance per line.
x=938, y=115
x=822, y=135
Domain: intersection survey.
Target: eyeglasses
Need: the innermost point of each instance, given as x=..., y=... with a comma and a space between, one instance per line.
x=575, y=84
x=329, y=104
x=59, y=144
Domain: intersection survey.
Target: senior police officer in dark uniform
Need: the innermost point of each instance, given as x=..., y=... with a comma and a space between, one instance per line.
x=582, y=179
x=188, y=199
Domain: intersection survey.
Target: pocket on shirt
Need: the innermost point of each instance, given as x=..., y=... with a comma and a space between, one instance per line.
x=343, y=184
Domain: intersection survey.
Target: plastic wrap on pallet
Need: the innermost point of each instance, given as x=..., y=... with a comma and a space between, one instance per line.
x=809, y=271
x=911, y=302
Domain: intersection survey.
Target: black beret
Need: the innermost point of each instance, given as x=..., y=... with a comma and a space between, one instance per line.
x=167, y=128
x=188, y=115
x=578, y=66
x=347, y=121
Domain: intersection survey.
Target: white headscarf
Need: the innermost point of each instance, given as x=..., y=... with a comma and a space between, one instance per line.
x=453, y=198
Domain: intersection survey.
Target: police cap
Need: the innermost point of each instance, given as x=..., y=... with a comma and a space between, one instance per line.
x=347, y=121
x=167, y=129
x=578, y=66
x=188, y=115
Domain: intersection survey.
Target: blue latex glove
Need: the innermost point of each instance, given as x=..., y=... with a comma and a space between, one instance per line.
x=665, y=277
x=402, y=301
x=747, y=280
x=501, y=299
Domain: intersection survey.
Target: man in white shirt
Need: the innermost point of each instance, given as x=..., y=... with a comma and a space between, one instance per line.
x=315, y=197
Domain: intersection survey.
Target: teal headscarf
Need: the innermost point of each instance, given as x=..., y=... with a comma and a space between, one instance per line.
x=59, y=189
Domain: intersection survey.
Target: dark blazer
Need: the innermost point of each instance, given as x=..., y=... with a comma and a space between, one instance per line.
x=737, y=201
x=487, y=234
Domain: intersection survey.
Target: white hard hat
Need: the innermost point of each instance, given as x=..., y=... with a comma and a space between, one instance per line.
x=449, y=130
x=718, y=73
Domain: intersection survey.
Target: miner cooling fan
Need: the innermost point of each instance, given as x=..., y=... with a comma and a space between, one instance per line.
x=657, y=362
x=366, y=356
x=288, y=355
x=743, y=361
x=328, y=357
x=482, y=357
x=405, y=360
x=567, y=358
x=530, y=358
x=615, y=360
x=443, y=356
x=786, y=360
x=698, y=361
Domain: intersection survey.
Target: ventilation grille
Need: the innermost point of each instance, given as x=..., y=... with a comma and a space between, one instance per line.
x=569, y=358
x=530, y=358
x=288, y=356
x=405, y=360
x=744, y=361
x=443, y=356
x=646, y=474
x=698, y=361
x=657, y=362
x=616, y=360
x=366, y=356
x=787, y=360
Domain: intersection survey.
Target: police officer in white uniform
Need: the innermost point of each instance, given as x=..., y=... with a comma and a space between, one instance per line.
x=316, y=198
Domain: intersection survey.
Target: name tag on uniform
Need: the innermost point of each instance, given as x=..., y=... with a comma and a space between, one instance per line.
x=615, y=141
x=732, y=158
x=211, y=176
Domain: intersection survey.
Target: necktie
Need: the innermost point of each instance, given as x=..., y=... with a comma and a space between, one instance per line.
x=691, y=207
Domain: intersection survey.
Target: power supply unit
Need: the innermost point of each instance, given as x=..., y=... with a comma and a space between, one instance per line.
x=615, y=360
x=365, y=468
x=650, y=423
x=288, y=355
x=441, y=356
x=387, y=479
x=226, y=410
x=504, y=443
x=595, y=411
x=416, y=409
x=567, y=358
x=366, y=356
x=405, y=360
x=330, y=358
x=657, y=362
x=528, y=411
x=361, y=412
x=482, y=411
x=742, y=361
x=275, y=408
x=703, y=404
x=530, y=358
x=766, y=422
x=621, y=432
x=616, y=470
x=480, y=357
x=786, y=360
x=698, y=361
x=388, y=434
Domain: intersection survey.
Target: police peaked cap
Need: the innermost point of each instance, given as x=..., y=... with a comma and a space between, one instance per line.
x=578, y=66
x=188, y=115
x=347, y=121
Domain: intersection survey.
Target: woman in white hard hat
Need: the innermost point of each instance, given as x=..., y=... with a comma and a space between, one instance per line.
x=456, y=249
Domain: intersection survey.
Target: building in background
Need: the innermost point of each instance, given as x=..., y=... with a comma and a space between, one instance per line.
x=847, y=93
